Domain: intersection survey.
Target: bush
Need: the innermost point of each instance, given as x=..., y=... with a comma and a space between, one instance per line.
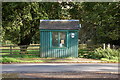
x=99, y=53
x=107, y=54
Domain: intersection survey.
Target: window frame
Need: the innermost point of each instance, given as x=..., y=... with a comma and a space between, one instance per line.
x=66, y=42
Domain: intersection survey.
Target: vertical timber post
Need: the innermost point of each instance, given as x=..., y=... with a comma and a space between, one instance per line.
x=108, y=46
x=104, y=46
x=10, y=49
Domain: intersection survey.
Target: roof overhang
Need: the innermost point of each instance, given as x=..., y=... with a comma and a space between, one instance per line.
x=60, y=24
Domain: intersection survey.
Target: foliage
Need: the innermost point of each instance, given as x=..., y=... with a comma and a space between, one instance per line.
x=100, y=21
x=19, y=21
x=107, y=53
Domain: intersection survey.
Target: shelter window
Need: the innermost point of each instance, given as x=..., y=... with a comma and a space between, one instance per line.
x=59, y=39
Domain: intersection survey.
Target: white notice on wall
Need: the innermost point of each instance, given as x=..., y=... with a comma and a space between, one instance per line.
x=62, y=41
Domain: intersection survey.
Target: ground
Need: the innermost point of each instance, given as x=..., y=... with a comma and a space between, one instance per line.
x=61, y=75
x=61, y=70
x=58, y=60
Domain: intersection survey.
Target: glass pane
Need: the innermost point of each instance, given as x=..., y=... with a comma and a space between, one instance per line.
x=62, y=39
x=55, y=39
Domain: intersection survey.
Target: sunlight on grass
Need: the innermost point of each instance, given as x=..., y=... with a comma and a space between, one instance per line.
x=9, y=60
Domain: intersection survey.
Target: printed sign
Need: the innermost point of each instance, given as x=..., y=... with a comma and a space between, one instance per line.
x=62, y=41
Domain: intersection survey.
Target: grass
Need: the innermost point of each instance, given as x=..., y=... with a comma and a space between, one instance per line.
x=16, y=54
x=16, y=57
x=110, y=60
x=10, y=60
x=20, y=60
x=110, y=55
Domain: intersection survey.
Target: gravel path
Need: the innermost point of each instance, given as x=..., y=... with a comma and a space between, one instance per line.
x=61, y=75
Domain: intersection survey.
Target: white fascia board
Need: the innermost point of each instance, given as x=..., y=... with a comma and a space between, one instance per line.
x=58, y=20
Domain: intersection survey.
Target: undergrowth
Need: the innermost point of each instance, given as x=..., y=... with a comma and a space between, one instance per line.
x=108, y=54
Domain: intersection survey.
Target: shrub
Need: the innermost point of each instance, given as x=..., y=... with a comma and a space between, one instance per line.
x=99, y=53
x=110, y=54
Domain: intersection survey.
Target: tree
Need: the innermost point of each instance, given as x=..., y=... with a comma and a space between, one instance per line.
x=99, y=21
x=21, y=21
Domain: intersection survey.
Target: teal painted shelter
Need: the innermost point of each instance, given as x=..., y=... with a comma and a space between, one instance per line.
x=59, y=38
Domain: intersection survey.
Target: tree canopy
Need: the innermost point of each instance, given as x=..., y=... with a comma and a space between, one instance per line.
x=100, y=21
